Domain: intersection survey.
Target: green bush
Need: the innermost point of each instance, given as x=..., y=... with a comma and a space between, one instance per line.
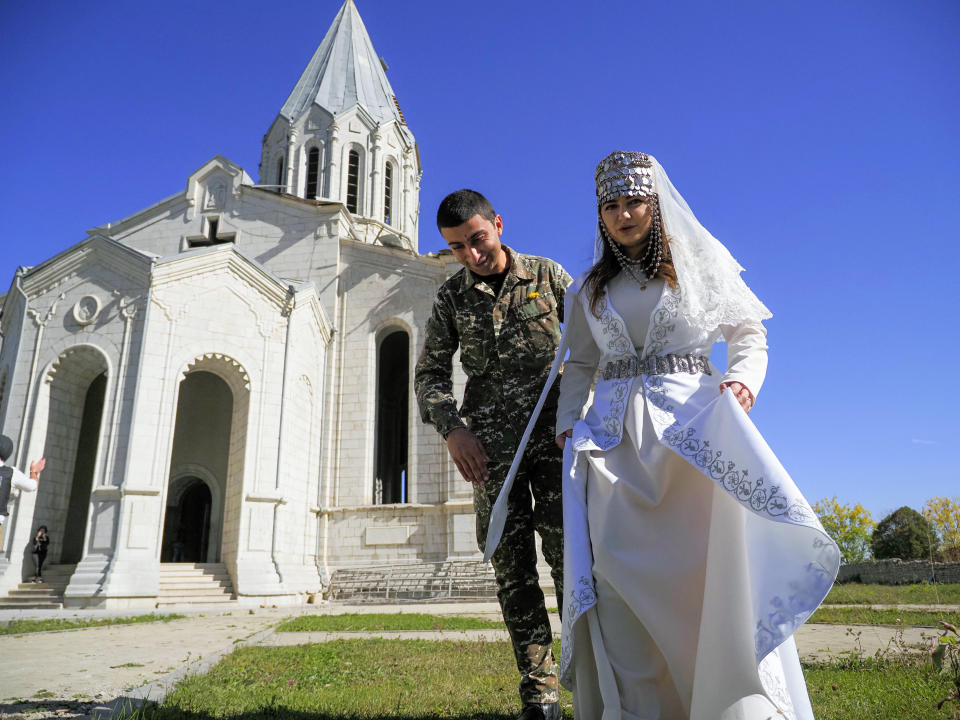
x=903, y=534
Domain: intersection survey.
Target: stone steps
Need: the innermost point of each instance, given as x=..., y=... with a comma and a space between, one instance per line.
x=194, y=584
x=40, y=596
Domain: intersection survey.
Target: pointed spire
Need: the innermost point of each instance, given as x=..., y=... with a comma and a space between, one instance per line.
x=343, y=72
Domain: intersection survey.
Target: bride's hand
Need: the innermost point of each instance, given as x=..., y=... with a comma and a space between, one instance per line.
x=741, y=392
x=562, y=438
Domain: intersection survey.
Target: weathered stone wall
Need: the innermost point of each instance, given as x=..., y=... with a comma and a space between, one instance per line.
x=899, y=572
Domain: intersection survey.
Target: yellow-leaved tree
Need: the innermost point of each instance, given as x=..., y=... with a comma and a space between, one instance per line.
x=944, y=515
x=849, y=526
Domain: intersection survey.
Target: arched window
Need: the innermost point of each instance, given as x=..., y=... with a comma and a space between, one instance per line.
x=388, y=194
x=313, y=172
x=281, y=183
x=353, y=180
x=393, y=379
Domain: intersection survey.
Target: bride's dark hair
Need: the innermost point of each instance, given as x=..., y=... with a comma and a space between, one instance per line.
x=607, y=267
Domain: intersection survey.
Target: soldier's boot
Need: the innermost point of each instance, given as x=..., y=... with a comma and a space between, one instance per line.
x=540, y=711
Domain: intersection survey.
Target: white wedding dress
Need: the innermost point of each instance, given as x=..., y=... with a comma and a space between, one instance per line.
x=682, y=589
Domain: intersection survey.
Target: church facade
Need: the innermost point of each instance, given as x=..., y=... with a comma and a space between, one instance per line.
x=226, y=376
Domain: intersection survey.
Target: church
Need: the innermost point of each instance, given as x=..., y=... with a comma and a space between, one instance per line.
x=224, y=378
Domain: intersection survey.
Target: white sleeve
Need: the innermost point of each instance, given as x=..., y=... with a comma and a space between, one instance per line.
x=578, y=370
x=746, y=354
x=22, y=482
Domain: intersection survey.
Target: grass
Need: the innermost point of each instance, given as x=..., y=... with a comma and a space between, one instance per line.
x=856, y=594
x=408, y=679
x=395, y=621
x=18, y=627
x=866, y=616
x=868, y=689
x=416, y=680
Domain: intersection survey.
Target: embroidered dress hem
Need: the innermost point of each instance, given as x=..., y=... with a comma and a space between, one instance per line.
x=713, y=570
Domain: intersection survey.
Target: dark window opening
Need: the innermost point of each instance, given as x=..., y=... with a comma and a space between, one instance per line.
x=213, y=236
x=393, y=379
x=388, y=194
x=313, y=172
x=281, y=184
x=353, y=180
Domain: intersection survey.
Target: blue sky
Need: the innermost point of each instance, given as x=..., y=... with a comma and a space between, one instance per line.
x=818, y=140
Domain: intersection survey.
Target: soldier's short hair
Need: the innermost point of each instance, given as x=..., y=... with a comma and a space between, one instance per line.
x=460, y=206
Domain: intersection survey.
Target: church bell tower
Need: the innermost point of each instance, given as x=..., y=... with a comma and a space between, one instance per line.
x=341, y=136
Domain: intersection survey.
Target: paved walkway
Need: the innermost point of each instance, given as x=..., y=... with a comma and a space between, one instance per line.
x=79, y=672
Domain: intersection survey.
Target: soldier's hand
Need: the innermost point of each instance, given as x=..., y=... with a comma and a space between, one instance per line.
x=468, y=455
x=562, y=438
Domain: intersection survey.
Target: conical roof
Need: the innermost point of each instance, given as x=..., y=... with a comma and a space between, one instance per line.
x=343, y=72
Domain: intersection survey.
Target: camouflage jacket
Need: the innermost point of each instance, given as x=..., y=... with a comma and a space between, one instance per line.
x=507, y=344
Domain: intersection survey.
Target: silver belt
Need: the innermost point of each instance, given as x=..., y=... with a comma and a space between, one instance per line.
x=656, y=365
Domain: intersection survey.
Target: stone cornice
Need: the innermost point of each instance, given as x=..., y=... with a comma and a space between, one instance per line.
x=99, y=250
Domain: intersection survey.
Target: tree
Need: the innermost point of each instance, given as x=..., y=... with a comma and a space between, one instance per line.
x=850, y=527
x=903, y=534
x=944, y=515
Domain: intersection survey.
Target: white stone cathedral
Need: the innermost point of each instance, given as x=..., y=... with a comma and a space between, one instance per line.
x=225, y=377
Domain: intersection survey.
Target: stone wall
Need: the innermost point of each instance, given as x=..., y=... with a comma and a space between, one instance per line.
x=899, y=572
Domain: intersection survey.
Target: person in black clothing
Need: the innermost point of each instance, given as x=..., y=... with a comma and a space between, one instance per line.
x=40, y=542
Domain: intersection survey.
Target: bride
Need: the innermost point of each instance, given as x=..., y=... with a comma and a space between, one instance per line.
x=691, y=557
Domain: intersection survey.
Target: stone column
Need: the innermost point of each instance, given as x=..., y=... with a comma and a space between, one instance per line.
x=333, y=153
x=404, y=224
x=291, y=160
x=375, y=206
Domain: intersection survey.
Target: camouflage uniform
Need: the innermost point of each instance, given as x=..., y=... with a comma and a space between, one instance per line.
x=507, y=344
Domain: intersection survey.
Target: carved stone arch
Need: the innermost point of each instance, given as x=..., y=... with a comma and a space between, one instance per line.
x=184, y=471
x=98, y=362
x=229, y=370
x=388, y=325
x=64, y=348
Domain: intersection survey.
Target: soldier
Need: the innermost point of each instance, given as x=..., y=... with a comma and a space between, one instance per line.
x=503, y=311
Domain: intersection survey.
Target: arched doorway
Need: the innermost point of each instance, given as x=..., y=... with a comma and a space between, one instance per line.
x=200, y=466
x=186, y=529
x=86, y=458
x=72, y=408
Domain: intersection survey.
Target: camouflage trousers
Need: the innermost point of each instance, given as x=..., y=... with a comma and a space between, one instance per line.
x=534, y=505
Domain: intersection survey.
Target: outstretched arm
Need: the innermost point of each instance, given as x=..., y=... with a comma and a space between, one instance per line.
x=433, y=382
x=746, y=361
